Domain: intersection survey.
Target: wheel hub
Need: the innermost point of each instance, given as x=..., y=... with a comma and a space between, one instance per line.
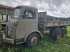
x=34, y=40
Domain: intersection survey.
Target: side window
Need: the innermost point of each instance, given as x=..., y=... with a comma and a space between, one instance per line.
x=29, y=15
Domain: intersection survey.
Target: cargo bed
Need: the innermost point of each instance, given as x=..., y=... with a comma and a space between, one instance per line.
x=45, y=20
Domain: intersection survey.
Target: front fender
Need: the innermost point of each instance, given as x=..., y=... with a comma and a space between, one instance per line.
x=30, y=33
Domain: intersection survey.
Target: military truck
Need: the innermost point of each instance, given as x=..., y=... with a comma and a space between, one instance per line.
x=27, y=25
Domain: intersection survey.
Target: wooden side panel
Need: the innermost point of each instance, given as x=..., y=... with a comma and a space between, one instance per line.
x=41, y=21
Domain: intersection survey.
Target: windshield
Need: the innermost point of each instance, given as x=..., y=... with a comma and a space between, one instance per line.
x=17, y=13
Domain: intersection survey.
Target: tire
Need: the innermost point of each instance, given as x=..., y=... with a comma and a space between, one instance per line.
x=64, y=33
x=56, y=33
x=33, y=39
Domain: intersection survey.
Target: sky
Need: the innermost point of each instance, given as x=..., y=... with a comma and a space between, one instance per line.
x=58, y=8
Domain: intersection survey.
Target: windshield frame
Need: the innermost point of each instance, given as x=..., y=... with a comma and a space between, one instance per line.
x=16, y=16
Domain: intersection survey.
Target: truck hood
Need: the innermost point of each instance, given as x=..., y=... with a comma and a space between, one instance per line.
x=11, y=27
x=11, y=22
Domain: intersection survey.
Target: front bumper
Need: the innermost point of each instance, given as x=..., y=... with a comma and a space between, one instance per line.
x=8, y=40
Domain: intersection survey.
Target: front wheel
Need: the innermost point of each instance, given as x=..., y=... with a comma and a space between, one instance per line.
x=33, y=39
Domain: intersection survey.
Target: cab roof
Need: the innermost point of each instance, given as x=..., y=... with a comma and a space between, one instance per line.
x=26, y=7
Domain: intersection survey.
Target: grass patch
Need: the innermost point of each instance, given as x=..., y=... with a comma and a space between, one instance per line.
x=46, y=45
x=68, y=29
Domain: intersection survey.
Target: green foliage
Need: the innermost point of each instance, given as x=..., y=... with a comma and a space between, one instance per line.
x=46, y=45
x=1, y=35
x=68, y=29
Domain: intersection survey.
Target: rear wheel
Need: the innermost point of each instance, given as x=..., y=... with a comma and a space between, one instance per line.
x=33, y=39
x=56, y=33
x=64, y=33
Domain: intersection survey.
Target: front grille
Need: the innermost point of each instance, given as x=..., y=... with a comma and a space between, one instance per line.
x=5, y=29
x=9, y=30
x=3, y=26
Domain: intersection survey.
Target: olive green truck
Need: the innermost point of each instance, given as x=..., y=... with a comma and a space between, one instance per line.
x=27, y=25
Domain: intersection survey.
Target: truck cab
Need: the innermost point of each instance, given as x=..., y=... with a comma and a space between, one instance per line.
x=22, y=27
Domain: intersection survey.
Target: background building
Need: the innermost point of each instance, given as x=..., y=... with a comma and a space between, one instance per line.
x=5, y=11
